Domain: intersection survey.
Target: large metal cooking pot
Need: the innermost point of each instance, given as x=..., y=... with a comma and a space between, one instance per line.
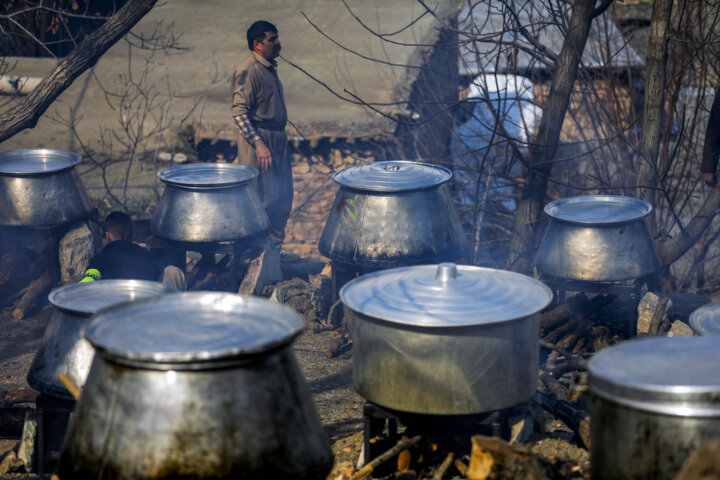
x=705, y=321
x=445, y=339
x=195, y=385
x=40, y=187
x=63, y=348
x=209, y=202
x=653, y=402
x=390, y=214
x=597, y=238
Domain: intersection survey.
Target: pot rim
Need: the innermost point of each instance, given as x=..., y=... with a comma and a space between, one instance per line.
x=377, y=186
x=667, y=375
x=62, y=298
x=172, y=176
x=207, y=346
x=643, y=209
x=70, y=159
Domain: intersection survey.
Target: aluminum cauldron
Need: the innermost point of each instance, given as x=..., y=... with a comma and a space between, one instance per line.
x=394, y=213
x=195, y=385
x=445, y=339
x=209, y=202
x=597, y=238
x=654, y=401
x=705, y=321
x=63, y=349
x=40, y=187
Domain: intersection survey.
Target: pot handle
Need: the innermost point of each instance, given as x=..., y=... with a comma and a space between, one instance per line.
x=446, y=272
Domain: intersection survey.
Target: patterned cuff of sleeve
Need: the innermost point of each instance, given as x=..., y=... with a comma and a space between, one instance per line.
x=246, y=129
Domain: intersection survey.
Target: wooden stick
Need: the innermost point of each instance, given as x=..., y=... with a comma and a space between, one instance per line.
x=35, y=289
x=444, y=466
x=70, y=385
x=576, y=361
x=576, y=420
x=403, y=444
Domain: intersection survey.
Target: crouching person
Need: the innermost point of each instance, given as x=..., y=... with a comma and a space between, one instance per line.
x=123, y=259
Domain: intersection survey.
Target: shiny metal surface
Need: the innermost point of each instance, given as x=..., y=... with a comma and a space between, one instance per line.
x=653, y=403
x=445, y=371
x=253, y=419
x=378, y=229
x=40, y=187
x=444, y=363
x=597, y=241
x=677, y=376
x=192, y=330
x=633, y=444
x=209, y=203
x=445, y=295
x=209, y=175
x=598, y=209
x=705, y=321
x=392, y=176
x=63, y=348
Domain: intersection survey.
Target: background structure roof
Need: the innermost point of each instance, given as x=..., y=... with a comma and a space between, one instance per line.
x=487, y=23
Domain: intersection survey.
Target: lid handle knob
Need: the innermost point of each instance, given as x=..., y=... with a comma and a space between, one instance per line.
x=446, y=272
x=392, y=168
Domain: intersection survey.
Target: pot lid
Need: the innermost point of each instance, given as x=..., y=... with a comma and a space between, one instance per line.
x=705, y=320
x=199, y=328
x=598, y=209
x=445, y=295
x=36, y=161
x=668, y=375
x=89, y=298
x=392, y=176
x=208, y=175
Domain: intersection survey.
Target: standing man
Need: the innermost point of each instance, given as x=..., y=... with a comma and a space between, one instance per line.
x=711, y=146
x=258, y=110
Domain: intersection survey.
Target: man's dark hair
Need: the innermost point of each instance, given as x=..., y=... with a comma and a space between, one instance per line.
x=257, y=32
x=119, y=225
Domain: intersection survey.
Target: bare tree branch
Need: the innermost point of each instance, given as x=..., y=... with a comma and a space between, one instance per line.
x=27, y=112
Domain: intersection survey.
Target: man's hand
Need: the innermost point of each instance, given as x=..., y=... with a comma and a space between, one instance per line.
x=264, y=157
x=710, y=179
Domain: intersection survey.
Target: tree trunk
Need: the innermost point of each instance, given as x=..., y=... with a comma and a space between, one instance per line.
x=646, y=161
x=28, y=111
x=542, y=150
x=676, y=247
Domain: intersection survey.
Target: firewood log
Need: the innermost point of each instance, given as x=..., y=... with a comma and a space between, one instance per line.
x=554, y=386
x=33, y=292
x=579, y=331
x=560, y=314
x=563, y=330
x=576, y=420
x=403, y=444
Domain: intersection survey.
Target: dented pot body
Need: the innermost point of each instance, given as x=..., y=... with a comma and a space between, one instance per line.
x=201, y=385
x=387, y=229
x=209, y=203
x=252, y=421
x=390, y=214
x=597, y=238
x=41, y=187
